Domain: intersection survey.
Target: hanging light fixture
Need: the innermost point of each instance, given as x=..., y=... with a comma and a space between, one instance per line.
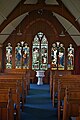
x=19, y=32
x=62, y=34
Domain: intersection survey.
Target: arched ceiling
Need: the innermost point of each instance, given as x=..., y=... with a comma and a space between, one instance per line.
x=66, y=11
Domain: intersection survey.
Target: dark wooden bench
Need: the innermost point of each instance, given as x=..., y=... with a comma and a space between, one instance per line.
x=6, y=105
x=53, y=78
x=70, y=82
x=14, y=79
x=21, y=72
x=61, y=78
x=15, y=95
x=71, y=103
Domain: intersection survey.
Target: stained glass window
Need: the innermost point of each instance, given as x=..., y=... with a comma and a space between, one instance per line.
x=54, y=57
x=9, y=56
x=40, y=52
x=57, y=56
x=25, y=56
x=61, y=54
x=44, y=53
x=22, y=55
x=18, y=56
x=70, y=58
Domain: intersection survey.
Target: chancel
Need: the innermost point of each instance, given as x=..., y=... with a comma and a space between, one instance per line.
x=39, y=59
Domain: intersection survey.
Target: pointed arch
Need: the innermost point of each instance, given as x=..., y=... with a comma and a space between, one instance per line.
x=9, y=56
x=22, y=55
x=70, y=58
x=57, y=56
x=40, y=52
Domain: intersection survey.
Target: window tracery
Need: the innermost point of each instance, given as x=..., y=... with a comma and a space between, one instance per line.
x=40, y=52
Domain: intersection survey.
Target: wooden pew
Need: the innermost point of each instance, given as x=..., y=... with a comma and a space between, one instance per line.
x=21, y=72
x=62, y=78
x=6, y=105
x=14, y=76
x=14, y=79
x=15, y=95
x=71, y=103
x=62, y=84
x=53, y=76
x=9, y=80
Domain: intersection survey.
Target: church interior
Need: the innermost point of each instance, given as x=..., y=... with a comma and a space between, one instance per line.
x=39, y=60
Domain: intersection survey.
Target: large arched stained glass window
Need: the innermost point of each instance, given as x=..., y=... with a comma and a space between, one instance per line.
x=40, y=52
x=22, y=55
x=70, y=58
x=57, y=56
x=9, y=56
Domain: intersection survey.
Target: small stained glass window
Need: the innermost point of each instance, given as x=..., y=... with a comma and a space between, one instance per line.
x=22, y=55
x=18, y=56
x=54, y=57
x=70, y=58
x=9, y=56
x=26, y=56
x=61, y=57
x=57, y=56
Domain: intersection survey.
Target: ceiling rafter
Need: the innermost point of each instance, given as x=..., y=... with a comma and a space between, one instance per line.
x=28, y=8
x=73, y=20
x=9, y=18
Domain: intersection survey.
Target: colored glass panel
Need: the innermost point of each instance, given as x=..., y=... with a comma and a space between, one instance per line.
x=61, y=58
x=40, y=52
x=44, y=53
x=9, y=56
x=57, y=56
x=26, y=56
x=35, y=53
x=22, y=55
x=18, y=56
x=70, y=58
x=54, y=57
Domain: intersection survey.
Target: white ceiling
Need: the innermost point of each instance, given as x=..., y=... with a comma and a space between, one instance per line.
x=6, y=7
x=74, y=7
x=75, y=34
x=10, y=27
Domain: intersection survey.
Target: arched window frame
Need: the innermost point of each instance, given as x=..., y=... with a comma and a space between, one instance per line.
x=22, y=55
x=40, y=52
x=57, y=56
x=70, y=58
x=9, y=56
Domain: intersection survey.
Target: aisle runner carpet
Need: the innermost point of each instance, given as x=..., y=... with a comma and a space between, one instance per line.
x=38, y=104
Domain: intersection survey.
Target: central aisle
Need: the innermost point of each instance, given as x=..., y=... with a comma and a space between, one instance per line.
x=38, y=105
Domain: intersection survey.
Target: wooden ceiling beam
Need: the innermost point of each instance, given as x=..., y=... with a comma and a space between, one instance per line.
x=68, y=15
x=29, y=7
